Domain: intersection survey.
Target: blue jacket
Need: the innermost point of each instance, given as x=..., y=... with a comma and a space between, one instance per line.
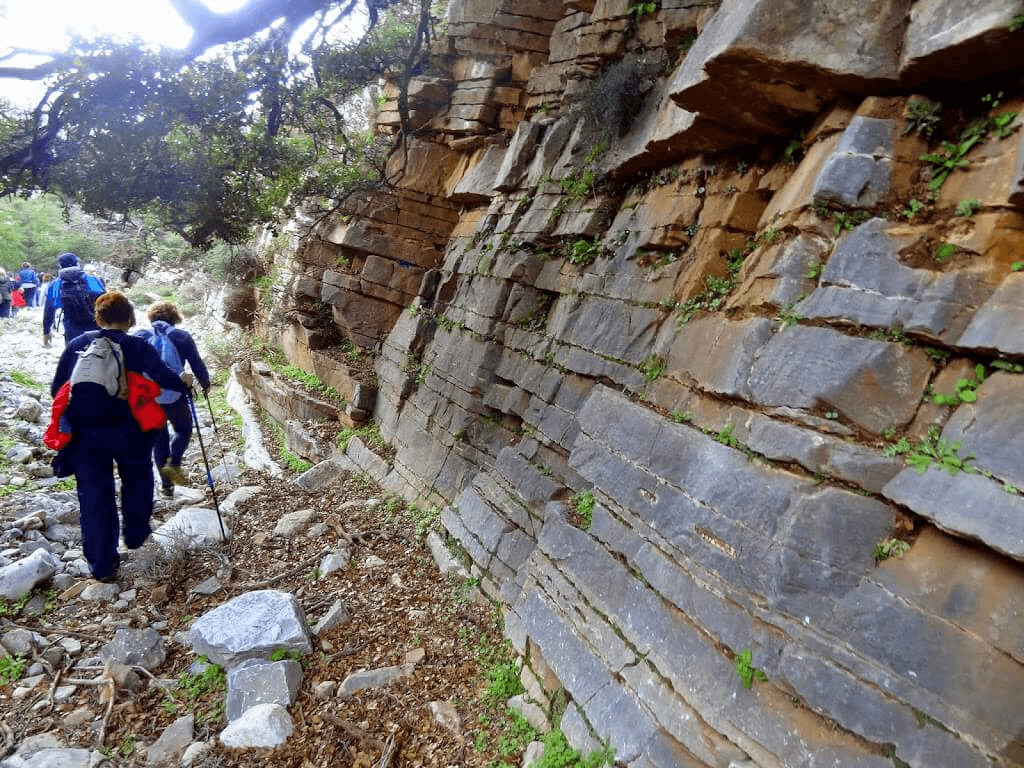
x=93, y=407
x=28, y=276
x=52, y=304
x=186, y=348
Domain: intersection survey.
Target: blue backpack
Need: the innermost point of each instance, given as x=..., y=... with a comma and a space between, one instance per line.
x=172, y=359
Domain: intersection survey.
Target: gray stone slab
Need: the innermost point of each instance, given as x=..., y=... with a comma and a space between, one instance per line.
x=577, y=667
x=251, y=626
x=788, y=265
x=946, y=673
x=993, y=427
x=870, y=713
x=858, y=174
x=971, y=506
x=716, y=353
x=530, y=484
x=685, y=739
x=954, y=37
x=621, y=719
x=373, y=678
x=605, y=326
x=865, y=283
x=563, y=590
x=454, y=524
x=998, y=325
x=262, y=682
x=986, y=599
x=476, y=187
x=874, y=384
x=141, y=647
x=816, y=452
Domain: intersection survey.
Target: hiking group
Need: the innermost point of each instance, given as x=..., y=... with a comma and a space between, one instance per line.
x=116, y=398
x=19, y=289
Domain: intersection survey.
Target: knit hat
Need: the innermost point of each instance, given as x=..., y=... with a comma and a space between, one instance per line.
x=67, y=259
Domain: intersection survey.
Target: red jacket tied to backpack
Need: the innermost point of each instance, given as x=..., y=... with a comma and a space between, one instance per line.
x=142, y=394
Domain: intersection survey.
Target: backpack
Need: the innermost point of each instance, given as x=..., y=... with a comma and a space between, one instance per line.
x=102, y=362
x=172, y=359
x=76, y=301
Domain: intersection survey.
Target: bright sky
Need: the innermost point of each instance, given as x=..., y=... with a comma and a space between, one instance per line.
x=47, y=26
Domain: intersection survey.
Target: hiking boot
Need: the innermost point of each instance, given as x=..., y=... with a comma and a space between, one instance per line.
x=172, y=474
x=167, y=491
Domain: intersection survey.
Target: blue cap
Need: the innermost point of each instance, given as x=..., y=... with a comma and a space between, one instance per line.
x=67, y=259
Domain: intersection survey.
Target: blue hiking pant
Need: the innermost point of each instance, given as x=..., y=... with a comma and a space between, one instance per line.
x=30, y=296
x=96, y=450
x=179, y=418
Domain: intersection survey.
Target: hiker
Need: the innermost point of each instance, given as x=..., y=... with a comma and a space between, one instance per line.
x=5, y=294
x=29, y=283
x=45, y=279
x=75, y=293
x=177, y=348
x=106, y=429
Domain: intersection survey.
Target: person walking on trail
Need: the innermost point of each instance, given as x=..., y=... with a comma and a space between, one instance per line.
x=106, y=430
x=74, y=292
x=168, y=452
x=5, y=294
x=29, y=283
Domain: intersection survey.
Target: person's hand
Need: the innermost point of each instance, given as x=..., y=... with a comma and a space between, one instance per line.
x=46, y=339
x=206, y=389
x=188, y=378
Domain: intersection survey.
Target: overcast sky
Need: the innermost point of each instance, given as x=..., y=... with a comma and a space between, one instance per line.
x=47, y=26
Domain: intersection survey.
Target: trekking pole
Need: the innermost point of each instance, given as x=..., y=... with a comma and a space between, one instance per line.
x=209, y=475
x=213, y=421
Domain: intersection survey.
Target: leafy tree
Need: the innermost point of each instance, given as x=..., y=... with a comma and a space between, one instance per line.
x=211, y=147
x=36, y=231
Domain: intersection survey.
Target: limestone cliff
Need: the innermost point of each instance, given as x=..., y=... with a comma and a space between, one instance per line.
x=663, y=297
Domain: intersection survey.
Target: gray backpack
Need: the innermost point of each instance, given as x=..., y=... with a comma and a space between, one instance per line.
x=102, y=362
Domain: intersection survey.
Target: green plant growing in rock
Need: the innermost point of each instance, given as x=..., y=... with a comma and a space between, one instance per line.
x=425, y=518
x=938, y=355
x=652, y=367
x=12, y=668
x=312, y=381
x=583, y=252
x=944, y=252
x=794, y=150
x=583, y=502
x=814, y=269
x=968, y=206
x=718, y=289
x=1006, y=365
x=922, y=117
x=639, y=10
x=953, y=154
x=844, y=220
x=558, y=754
x=966, y=389
x=1017, y=22
x=933, y=449
x=202, y=692
x=913, y=208
x=369, y=434
x=745, y=669
x=1017, y=266
x=890, y=548
x=682, y=417
x=789, y=316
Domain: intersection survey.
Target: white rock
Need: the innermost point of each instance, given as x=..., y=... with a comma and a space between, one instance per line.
x=264, y=725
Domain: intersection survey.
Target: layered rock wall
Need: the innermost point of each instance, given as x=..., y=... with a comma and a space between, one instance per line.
x=686, y=263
